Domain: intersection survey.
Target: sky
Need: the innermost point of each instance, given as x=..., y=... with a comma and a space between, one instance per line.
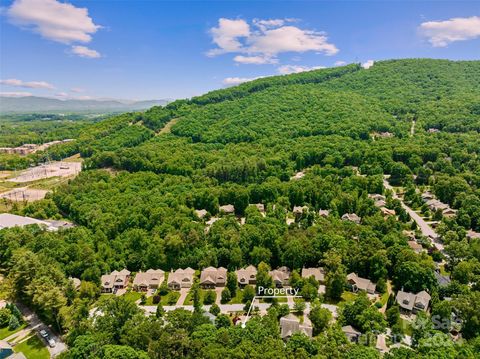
x=178, y=49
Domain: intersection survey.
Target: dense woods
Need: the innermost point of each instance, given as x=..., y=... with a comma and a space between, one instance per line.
x=345, y=128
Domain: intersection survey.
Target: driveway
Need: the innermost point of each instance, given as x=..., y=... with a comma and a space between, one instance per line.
x=35, y=324
x=183, y=296
x=218, y=292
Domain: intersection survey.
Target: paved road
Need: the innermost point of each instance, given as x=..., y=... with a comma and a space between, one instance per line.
x=424, y=227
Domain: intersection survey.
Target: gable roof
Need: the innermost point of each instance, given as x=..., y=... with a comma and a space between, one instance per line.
x=361, y=283
x=317, y=273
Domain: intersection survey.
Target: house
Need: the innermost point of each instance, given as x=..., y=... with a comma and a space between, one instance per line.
x=76, y=282
x=351, y=217
x=151, y=279
x=449, y=212
x=380, y=204
x=471, y=234
x=246, y=276
x=298, y=211
x=181, y=278
x=351, y=333
x=433, y=130
x=317, y=273
x=115, y=280
x=290, y=324
x=227, y=209
x=289, y=221
x=280, y=276
x=324, y=213
x=298, y=175
x=416, y=247
x=442, y=280
x=213, y=277
x=413, y=303
x=201, y=213
x=378, y=199
x=260, y=207
x=435, y=205
x=427, y=196
x=357, y=283
x=387, y=212
x=409, y=234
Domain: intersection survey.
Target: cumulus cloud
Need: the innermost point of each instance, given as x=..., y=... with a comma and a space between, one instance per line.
x=84, y=51
x=227, y=36
x=232, y=81
x=28, y=84
x=257, y=60
x=264, y=40
x=53, y=20
x=367, y=64
x=15, y=94
x=442, y=33
x=77, y=89
x=291, y=69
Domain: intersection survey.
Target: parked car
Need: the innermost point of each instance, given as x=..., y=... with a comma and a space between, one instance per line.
x=44, y=333
x=51, y=343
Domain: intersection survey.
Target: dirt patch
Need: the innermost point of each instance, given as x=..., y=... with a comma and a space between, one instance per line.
x=24, y=194
x=53, y=169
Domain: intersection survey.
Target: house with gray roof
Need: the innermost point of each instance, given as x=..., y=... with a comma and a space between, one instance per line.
x=413, y=303
x=151, y=279
x=213, y=277
x=181, y=278
x=246, y=276
x=351, y=217
x=358, y=283
x=351, y=333
x=317, y=273
x=280, y=276
x=227, y=209
x=290, y=324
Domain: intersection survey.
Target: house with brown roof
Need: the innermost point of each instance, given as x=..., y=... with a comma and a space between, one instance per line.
x=201, y=213
x=387, y=212
x=260, y=207
x=351, y=217
x=449, y=212
x=416, y=247
x=181, y=278
x=413, y=303
x=298, y=211
x=213, y=277
x=324, y=213
x=351, y=333
x=290, y=325
x=151, y=279
x=115, y=280
x=317, y=273
x=227, y=209
x=280, y=276
x=358, y=283
x=246, y=276
x=471, y=234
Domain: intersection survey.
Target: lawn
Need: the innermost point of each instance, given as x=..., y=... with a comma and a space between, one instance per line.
x=33, y=348
x=238, y=297
x=132, y=296
x=165, y=299
x=406, y=327
x=5, y=332
x=189, y=299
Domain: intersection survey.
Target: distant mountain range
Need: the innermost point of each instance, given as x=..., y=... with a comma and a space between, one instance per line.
x=30, y=104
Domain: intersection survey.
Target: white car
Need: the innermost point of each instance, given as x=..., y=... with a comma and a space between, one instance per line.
x=43, y=333
x=51, y=343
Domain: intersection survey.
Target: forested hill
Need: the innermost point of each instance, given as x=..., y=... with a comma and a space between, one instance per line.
x=284, y=113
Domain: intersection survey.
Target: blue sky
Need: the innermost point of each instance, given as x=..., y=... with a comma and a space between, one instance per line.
x=161, y=49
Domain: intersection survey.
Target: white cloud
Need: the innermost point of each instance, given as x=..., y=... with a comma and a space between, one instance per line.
x=84, y=51
x=292, y=69
x=257, y=60
x=340, y=63
x=77, y=89
x=226, y=35
x=15, y=94
x=54, y=20
x=267, y=40
x=441, y=33
x=231, y=81
x=368, y=64
x=29, y=84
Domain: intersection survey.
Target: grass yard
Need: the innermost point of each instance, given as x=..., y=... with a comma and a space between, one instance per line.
x=189, y=298
x=238, y=297
x=132, y=296
x=406, y=327
x=33, y=348
x=5, y=332
x=170, y=298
